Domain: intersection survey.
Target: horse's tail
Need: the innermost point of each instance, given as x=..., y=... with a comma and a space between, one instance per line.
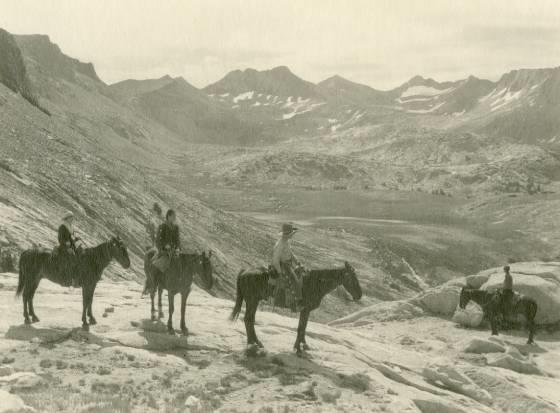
x=238, y=299
x=21, y=283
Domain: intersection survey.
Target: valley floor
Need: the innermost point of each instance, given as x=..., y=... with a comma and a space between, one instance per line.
x=397, y=359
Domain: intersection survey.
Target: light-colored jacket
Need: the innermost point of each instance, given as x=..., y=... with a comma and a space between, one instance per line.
x=282, y=253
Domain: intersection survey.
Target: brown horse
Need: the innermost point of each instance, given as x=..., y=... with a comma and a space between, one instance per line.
x=491, y=303
x=35, y=264
x=177, y=279
x=254, y=286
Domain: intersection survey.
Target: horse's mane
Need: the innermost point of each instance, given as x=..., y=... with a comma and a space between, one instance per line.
x=326, y=273
x=94, y=251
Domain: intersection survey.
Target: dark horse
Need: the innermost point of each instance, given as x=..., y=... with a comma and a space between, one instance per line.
x=34, y=264
x=177, y=279
x=254, y=286
x=491, y=303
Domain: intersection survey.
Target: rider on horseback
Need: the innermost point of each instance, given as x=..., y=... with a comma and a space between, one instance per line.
x=67, y=247
x=507, y=292
x=167, y=241
x=155, y=220
x=287, y=265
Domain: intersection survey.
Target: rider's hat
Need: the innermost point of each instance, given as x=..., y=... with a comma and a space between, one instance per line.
x=288, y=229
x=67, y=216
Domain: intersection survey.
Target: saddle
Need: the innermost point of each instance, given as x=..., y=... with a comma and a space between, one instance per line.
x=63, y=266
x=280, y=290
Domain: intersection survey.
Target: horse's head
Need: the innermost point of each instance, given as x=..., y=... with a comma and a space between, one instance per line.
x=206, y=270
x=464, y=298
x=350, y=281
x=201, y=264
x=118, y=251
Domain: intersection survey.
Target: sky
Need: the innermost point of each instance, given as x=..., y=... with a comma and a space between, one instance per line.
x=381, y=43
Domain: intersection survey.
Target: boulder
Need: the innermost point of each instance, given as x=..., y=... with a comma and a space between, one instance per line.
x=479, y=346
x=193, y=404
x=455, y=381
x=443, y=300
x=507, y=361
x=381, y=312
x=471, y=316
x=476, y=280
x=543, y=286
x=437, y=406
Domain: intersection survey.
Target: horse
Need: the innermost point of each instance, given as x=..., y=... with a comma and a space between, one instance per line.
x=35, y=264
x=491, y=304
x=177, y=279
x=254, y=286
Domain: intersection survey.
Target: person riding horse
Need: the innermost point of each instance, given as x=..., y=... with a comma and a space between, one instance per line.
x=287, y=265
x=168, y=241
x=66, y=252
x=155, y=220
x=66, y=239
x=507, y=292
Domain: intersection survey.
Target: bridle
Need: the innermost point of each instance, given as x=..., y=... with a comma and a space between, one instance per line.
x=108, y=255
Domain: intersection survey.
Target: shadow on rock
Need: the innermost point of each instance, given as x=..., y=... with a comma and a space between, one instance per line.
x=53, y=335
x=290, y=369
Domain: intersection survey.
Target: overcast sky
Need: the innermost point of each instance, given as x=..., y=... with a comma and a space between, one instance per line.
x=378, y=42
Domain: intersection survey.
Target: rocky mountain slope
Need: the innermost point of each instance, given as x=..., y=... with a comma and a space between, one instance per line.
x=389, y=357
x=99, y=157
x=185, y=110
x=13, y=72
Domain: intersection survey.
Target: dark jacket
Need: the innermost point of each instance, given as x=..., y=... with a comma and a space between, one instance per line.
x=65, y=238
x=168, y=235
x=508, y=282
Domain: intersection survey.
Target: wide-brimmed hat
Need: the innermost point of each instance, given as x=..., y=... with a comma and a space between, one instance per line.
x=67, y=216
x=288, y=229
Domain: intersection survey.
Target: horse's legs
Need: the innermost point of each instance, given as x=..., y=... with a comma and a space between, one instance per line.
x=305, y=346
x=171, y=297
x=153, y=310
x=184, y=328
x=26, y=296
x=26, y=318
x=34, y=318
x=92, y=320
x=85, y=293
x=249, y=319
x=530, y=314
x=493, y=322
x=160, y=305
x=303, y=317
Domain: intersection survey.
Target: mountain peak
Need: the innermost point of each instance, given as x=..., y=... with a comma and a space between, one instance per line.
x=48, y=55
x=281, y=69
x=278, y=81
x=334, y=80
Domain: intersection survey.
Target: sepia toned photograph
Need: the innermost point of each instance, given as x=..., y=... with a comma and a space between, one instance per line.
x=279, y=206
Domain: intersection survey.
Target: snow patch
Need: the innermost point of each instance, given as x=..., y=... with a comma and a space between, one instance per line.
x=244, y=96
x=506, y=99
